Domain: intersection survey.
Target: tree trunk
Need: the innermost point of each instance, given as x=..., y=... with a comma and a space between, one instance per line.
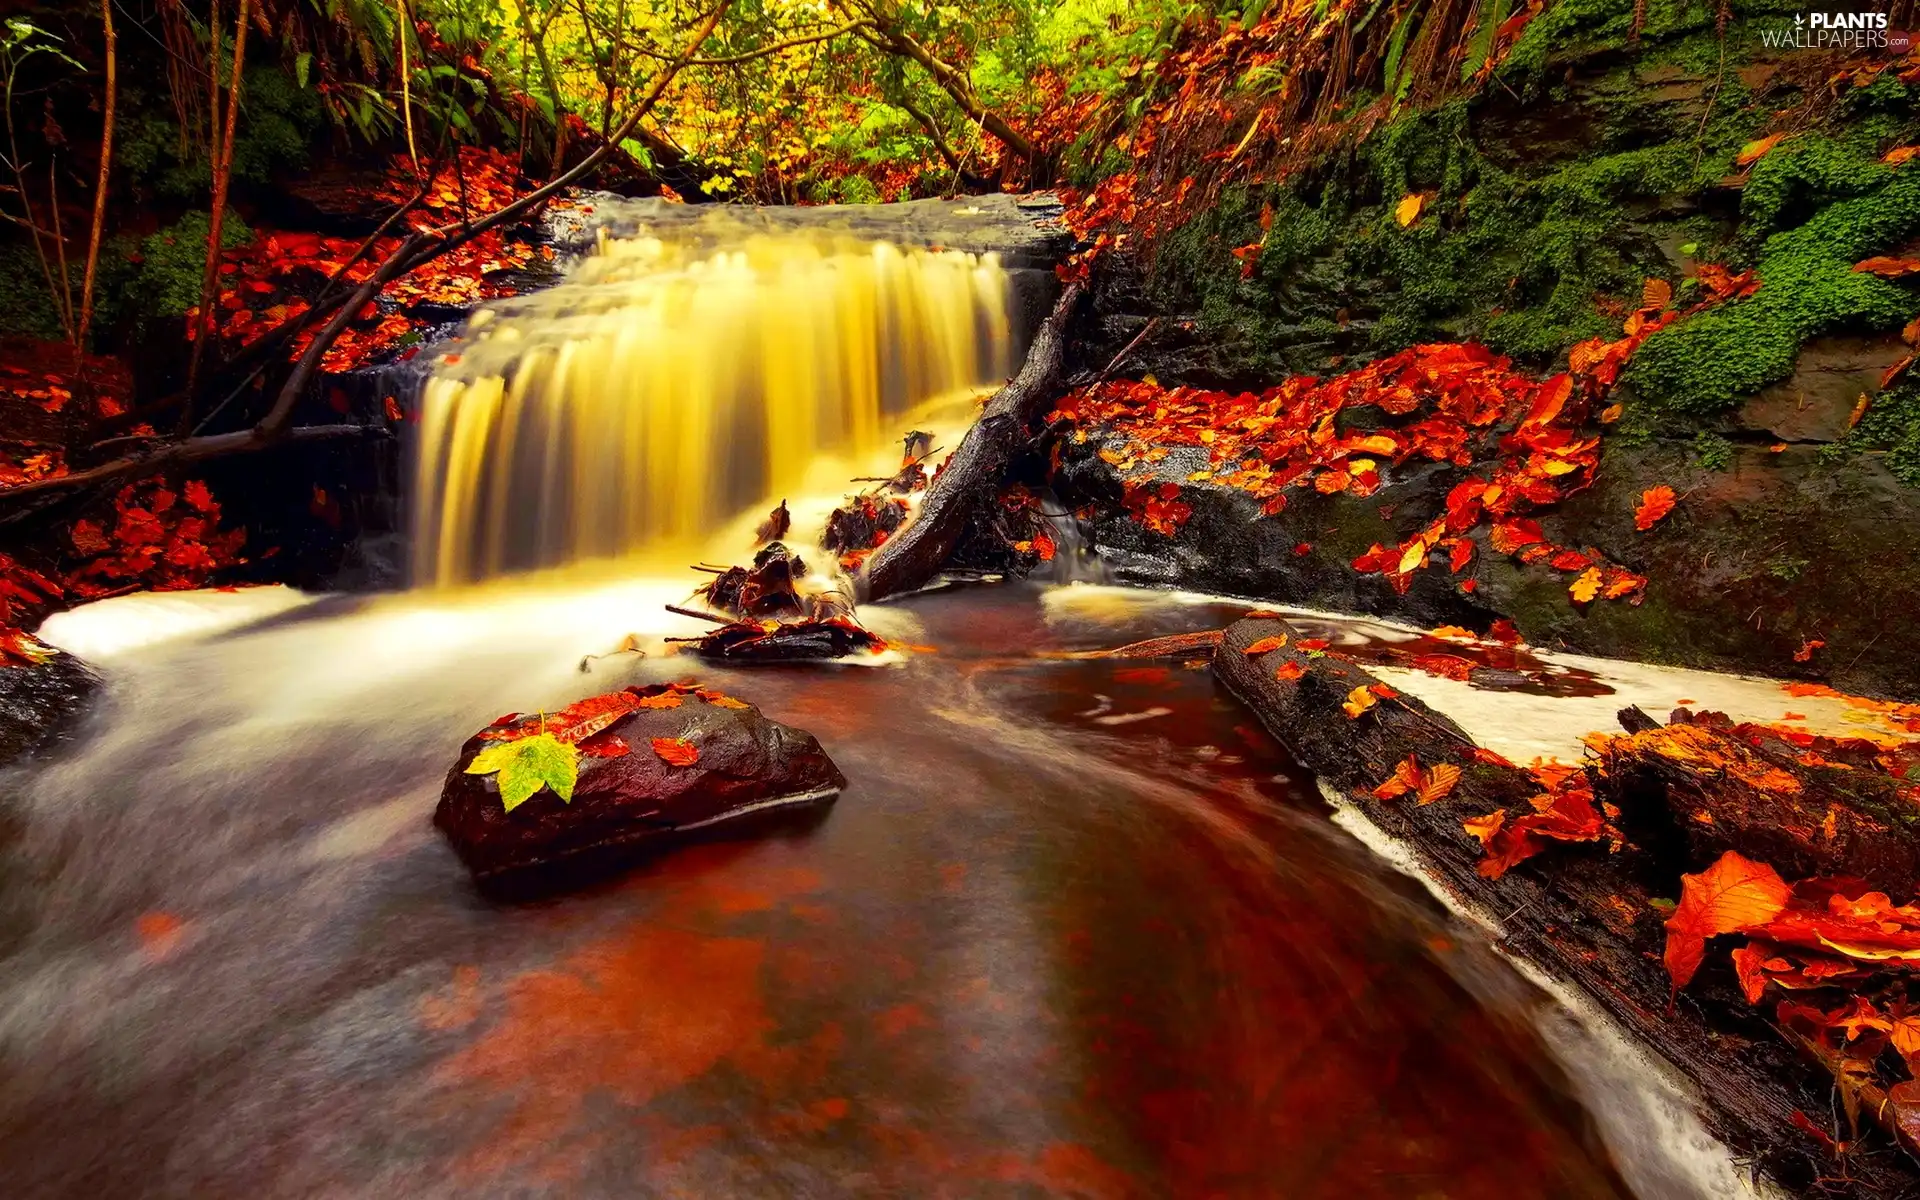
x=912, y=556
x=222, y=173
x=100, y=186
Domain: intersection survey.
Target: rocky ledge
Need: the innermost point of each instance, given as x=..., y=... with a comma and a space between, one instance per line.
x=40, y=701
x=1777, y=542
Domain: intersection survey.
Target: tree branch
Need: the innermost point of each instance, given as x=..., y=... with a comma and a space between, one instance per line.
x=885, y=34
x=187, y=450
x=769, y=49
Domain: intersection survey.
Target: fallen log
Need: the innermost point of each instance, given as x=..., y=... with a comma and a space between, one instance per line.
x=913, y=555
x=1806, y=807
x=1581, y=913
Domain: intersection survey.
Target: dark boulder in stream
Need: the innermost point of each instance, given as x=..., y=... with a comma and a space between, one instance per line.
x=39, y=701
x=676, y=763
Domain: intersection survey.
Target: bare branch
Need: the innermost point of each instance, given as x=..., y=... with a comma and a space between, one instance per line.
x=768, y=50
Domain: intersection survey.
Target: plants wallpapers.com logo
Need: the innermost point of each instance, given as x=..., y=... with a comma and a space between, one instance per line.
x=1849, y=31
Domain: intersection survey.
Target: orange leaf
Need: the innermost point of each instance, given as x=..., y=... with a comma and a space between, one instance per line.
x=1656, y=294
x=678, y=752
x=1408, y=210
x=1440, y=782
x=1549, y=400
x=1655, y=503
x=1406, y=777
x=1585, y=588
x=1358, y=701
x=1289, y=671
x=1805, y=652
x=1267, y=645
x=1483, y=828
x=1753, y=151
x=1728, y=896
x=1887, y=266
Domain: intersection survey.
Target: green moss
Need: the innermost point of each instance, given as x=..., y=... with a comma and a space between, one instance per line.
x=172, y=260
x=1712, y=451
x=1808, y=286
x=279, y=121
x=1891, y=425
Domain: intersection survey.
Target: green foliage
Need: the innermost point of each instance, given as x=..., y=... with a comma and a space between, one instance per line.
x=1891, y=425
x=167, y=282
x=525, y=765
x=279, y=122
x=26, y=308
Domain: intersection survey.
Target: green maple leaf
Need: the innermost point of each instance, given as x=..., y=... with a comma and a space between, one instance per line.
x=528, y=764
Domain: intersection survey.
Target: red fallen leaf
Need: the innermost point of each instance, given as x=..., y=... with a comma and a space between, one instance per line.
x=1309, y=645
x=1289, y=671
x=1549, y=400
x=1805, y=1124
x=1734, y=893
x=1563, y=814
x=1805, y=652
x=1503, y=631
x=677, y=752
x=1461, y=556
x=1511, y=536
x=1449, y=666
x=1887, y=266
x=1303, y=549
x=1655, y=503
x=1427, y=786
x=88, y=538
x=1267, y=645
x=604, y=745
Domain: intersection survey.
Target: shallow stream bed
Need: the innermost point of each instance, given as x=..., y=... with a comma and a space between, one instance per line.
x=1075, y=928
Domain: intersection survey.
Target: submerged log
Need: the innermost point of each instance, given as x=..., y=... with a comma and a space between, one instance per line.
x=912, y=556
x=1580, y=913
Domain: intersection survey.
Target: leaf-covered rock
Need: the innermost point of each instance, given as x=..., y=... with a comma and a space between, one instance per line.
x=676, y=759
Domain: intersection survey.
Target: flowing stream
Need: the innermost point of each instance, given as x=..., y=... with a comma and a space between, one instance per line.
x=1075, y=928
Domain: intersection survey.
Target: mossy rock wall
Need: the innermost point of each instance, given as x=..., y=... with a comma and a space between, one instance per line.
x=1593, y=164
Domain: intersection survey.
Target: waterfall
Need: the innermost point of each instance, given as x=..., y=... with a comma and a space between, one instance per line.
x=665, y=386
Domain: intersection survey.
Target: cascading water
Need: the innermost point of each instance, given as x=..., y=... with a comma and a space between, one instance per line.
x=664, y=387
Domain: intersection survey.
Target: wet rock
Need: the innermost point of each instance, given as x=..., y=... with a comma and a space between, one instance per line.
x=1778, y=549
x=39, y=703
x=750, y=773
x=1228, y=544
x=1815, y=403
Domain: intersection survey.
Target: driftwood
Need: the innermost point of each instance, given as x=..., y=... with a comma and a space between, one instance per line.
x=1579, y=912
x=912, y=556
x=1747, y=788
